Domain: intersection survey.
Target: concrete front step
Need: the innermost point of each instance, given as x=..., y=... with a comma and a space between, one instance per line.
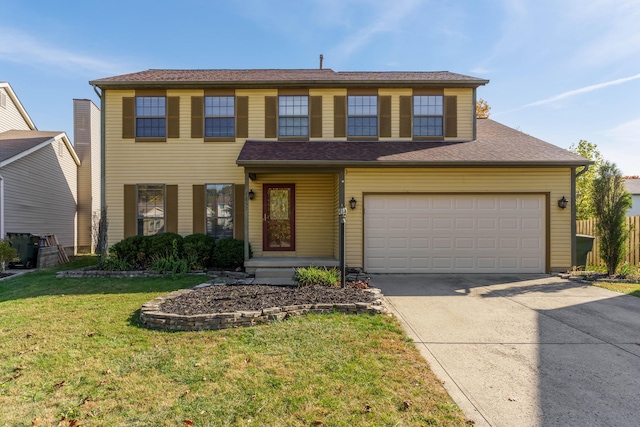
x=274, y=272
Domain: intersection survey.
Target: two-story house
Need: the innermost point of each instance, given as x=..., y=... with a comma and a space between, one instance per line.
x=271, y=157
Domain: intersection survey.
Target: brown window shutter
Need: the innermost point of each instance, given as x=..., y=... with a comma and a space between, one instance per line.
x=405, y=116
x=242, y=117
x=130, y=211
x=198, y=209
x=128, y=117
x=270, y=116
x=197, y=117
x=315, y=104
x=238, y=211
x=173, y=117
x=171, y=206
x=339, y=116
x=384, y=104
x=450, y=116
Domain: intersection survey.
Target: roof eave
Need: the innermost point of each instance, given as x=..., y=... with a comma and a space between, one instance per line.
x=400, y=163
x=287, y=83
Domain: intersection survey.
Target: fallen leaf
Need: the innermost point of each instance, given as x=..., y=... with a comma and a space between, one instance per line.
x=188, y=423
x=107, y=372
x=35, y=421
x=60, y=384
x=247, y=360
x=29, y=335
x=406, y=404
x=85, y=400
x=91, y=334
x=20, y=368
x=186, y=392
x=197, y=365
x=318, y=423
x=367, y=408
x=470, y=422
x=74, y=423
x=340, y=389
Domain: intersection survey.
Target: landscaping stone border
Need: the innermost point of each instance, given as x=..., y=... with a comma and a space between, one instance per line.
x=153, y=318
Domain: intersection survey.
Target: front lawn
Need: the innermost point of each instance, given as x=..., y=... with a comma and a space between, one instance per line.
x=623, y=288
x=72, y=352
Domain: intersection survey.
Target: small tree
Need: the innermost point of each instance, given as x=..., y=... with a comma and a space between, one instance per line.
x=610, y=205
x=584, y=183
x=7, y=253
x=482, y=109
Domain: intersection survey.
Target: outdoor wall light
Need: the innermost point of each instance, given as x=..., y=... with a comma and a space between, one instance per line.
x=352, y=203
x=251, y=194
x=562, y=203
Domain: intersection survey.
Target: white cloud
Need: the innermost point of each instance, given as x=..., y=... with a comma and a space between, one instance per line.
x=388, y=18
x=574, y=92
x=22, y=48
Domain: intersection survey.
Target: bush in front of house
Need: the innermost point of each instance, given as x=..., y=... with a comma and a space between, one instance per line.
x=228, y=253
x=133, y=251
x=198, y=249
x=166, y=244
x=309, y=276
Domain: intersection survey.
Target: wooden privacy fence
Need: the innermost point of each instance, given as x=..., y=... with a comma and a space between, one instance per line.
x=588, y=226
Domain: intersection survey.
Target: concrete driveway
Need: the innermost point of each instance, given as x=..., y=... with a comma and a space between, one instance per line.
x=525, y=350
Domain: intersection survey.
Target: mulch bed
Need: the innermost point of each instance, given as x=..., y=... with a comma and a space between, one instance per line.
x=231, y=298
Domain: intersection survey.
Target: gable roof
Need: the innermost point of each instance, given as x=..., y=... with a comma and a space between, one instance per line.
x=14, y=98
x=281, y=77
x=16, y=144
x=632, y=185
x=495, y=145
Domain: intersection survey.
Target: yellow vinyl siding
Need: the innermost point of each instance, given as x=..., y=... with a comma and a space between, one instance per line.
x=181, y=161
x=555, y=181
x=395, y=95
x=327, y=109
x=315, y=216
x=256, y=109
x=466, y=113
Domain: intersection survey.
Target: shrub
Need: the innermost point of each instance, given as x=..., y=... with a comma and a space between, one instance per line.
x=112, y=263
x=628, y=271
x=163, y=245
x=134, y=251
x=7, y=253
x=171, y=264
x=198, y=249
x=228, y=253
x=317, y=276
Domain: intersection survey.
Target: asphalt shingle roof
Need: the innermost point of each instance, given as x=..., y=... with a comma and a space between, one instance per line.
x=496, y=144
x=14, y=142
x=285, y=77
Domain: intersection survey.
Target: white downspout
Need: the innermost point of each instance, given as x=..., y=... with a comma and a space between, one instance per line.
x=2, y=235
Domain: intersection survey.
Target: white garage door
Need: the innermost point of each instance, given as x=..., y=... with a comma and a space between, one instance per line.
x=454, y=233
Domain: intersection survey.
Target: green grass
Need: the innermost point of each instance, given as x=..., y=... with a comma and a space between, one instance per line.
x=72, y=352
x=623, y=288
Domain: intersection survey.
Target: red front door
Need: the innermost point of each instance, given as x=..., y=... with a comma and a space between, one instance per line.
x=278, y=217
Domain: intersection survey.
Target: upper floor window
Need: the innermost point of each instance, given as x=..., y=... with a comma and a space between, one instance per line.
x=219, y=112
x=293, y=116
x=151, y=116
x=151, y=209
x=362, y=115
x=428, y=115
x=219, y=206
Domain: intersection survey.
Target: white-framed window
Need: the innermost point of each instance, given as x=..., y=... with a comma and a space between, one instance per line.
x=293, y=115
x=219, y=210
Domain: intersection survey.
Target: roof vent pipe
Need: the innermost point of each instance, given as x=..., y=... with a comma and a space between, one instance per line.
x=321, y=59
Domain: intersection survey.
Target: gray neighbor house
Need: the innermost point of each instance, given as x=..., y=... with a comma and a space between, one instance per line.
x=49, y=186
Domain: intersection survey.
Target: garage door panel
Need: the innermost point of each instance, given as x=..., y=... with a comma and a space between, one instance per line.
x=455, y=233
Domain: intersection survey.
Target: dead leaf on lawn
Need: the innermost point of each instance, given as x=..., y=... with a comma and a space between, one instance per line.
x=85, y=400
x=60, y=384
x=35, y=421
x=406, y=404
x=29, y=335
x=318, y=423
x=367, y=408
x=107, y=372
x=188, y=423
x=74, y=423
x=91, y=334
x=247, y=360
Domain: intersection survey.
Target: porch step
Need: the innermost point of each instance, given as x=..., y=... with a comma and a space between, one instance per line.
x=263, y=272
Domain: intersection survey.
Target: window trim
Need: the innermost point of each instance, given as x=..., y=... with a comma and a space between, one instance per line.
x=231, y=217
x=414, y=116
x=307, y=116
x=154, y=218
x=136, y=117
x=205, y=117
x=351, y=94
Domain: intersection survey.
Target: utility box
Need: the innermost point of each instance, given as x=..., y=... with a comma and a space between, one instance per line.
x=27, y=245
x=584, y=245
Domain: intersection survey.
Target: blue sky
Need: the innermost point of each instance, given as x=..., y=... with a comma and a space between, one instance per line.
x=560, y=70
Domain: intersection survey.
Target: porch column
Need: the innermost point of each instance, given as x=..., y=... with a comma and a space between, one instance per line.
x=246, y=216
x=342, y=216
